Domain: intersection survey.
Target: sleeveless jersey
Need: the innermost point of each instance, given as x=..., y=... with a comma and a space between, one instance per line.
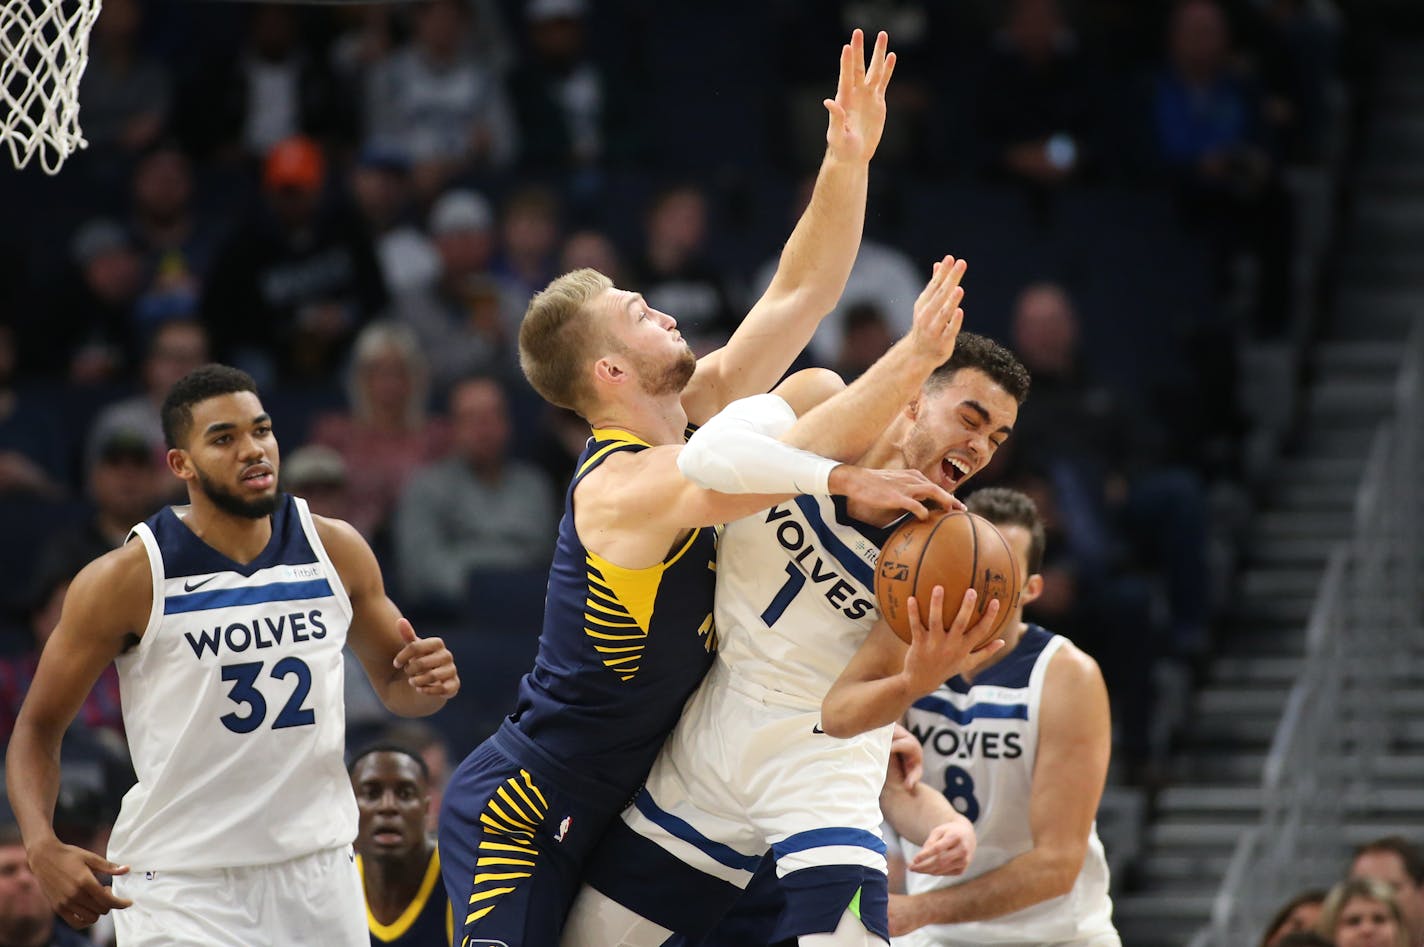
x=232, y=701
x=980, y=742
x=426, y=922
x=796, y=596
x=621, y=649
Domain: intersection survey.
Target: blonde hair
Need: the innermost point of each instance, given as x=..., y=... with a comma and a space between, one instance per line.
x=1369, y=889
x=371, y=343
x=557, y=337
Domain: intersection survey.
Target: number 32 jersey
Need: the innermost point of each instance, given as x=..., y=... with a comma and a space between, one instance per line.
x=232, y=702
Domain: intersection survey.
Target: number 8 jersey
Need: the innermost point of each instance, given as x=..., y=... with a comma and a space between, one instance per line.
x=232, y=702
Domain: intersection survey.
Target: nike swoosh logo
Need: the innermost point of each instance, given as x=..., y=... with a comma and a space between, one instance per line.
x=817, y=729
x=191, y=586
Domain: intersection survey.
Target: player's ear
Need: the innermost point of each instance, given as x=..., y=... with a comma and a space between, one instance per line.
x=1032, y=589
x=609, y=372
x=177, y=461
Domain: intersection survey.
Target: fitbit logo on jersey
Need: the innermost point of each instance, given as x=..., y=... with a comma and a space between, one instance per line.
x=841, y=594
x=966, y=744
x=262, y=632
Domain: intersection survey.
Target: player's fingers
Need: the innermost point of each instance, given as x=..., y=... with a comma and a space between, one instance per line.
x=885, y=74
x=99, y=863
x=917, y=625
x=936, y=616
x=982, y=654
x=963, y=619
x=905, y=500
x=913, y=772
x=407, y=630
x=877, y=60
x=850, y=68
x=838, y=115
x=433, y=675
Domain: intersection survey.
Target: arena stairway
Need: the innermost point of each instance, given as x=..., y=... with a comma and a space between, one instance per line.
x=1304, y=507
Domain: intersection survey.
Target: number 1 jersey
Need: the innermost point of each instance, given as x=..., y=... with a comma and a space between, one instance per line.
x=232, y=702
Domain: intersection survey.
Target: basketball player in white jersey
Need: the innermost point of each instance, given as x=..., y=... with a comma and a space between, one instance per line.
x=749, y=765
x=226, y=619
x=1020, y=746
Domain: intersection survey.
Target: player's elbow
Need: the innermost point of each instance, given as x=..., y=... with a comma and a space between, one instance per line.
x=1062, y=868
x=838, y=718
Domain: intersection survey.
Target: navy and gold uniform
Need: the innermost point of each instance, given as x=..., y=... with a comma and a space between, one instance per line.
x=620, y=652
x=426, y=922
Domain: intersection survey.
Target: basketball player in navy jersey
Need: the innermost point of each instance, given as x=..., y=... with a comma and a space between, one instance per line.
x=628, y=617
x=1021, y=747
x=398, y=863
x=227, y=619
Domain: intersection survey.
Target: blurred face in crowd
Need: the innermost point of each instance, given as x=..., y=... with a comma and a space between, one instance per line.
x=380, y=193
x=1303, y=917
x=531, y=229
x=178, y=348
x=392, y=799
x=163, y=185
x=439, y=27
x=465, y=251
x=118, y=22
x=592, y=250
x=557, y=40
x=274, y=32
x=114, y=275
x=1200, y=41
x=232, y=454
x=1046, y=331
x=124, y=483
x=25, y=916
x=1034, y=27
x=479, y=418
x=386, y=378
x=1388, y=867
x=1365, y=922
x=957, y=425
x=678, y=224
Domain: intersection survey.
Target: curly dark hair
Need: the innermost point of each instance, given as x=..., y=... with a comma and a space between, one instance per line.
x=200, y=384
x=989, y=357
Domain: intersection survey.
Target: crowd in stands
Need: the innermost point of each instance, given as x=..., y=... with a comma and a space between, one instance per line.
x=355, y=203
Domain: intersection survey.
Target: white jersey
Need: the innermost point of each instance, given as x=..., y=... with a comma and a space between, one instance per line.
x=796, y=596
x=232, y=702
x=980, y=744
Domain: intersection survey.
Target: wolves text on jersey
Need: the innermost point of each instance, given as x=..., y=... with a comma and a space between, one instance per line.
x=956, y=743
x=820, y=568
x=260, y=632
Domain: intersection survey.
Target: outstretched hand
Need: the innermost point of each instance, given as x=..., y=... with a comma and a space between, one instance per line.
x=937, y=317
x=428, y=664
x=857, y=116
x=66, y=874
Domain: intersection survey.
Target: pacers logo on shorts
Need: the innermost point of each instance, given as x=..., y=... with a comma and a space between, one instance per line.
x=507, y=853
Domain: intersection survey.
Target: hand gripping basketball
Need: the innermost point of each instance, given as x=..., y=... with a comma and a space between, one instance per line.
x=936, y=654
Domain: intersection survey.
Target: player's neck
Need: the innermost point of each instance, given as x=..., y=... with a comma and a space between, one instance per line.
x=393, y=882
x=240, y=538
x=1011, y=641
x=656, y=420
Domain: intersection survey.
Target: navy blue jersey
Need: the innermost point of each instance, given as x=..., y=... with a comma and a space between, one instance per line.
x=621, y=649
x=426, y=922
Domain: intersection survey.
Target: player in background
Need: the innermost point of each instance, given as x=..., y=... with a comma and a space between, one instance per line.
x=398, y=863
x=1020, y=746
x=226, y=618
x=749, y=766
x=628, y=627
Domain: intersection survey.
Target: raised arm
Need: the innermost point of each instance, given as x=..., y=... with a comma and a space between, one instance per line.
x=105, y=608
x=1074, y=743
x=413, y=676
x=817, y=258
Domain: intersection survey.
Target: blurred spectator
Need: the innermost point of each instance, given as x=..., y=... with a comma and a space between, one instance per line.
x=380, y=183
x=1036, y=109
x=467, y=321
x=561, y=437
x=674, y=274
x=427, y=742
x=298, y=278
x=125, y=95
x=477, y=509
x=1300, y=913
x=1210, y=134
x=125, y=485
x=437, y=103
x=866, y=337
x=1363, y=912
x=529, y=246
x=1398, y=863
x=592, y=249
x=281, y=91
x=318, y=475
x=571, y=117
x=386, y=437
x=101, y=709
x=89, y=335
x=882, y=276
x=26, y=919
x=174, y=349
x=177, y=247
x=33, y=457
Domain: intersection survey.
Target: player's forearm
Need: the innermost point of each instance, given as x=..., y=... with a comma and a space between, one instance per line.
x=915, y=812
x=819, y=254
x=32, y=781
x=1031, y=878
x=402, y=699
x=845, y=425
x=737, y=452
x=854, y=707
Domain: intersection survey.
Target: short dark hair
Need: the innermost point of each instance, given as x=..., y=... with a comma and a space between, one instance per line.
x=199, y=385
x=390, y=748
x=1314, y=896
x=10, y=832
x=989, y=357
x=1409, y=853
x=1004, y=507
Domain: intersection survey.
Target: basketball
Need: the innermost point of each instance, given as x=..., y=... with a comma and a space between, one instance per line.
x=956, y=550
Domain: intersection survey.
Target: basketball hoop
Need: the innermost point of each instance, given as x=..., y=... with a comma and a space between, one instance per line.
x=44, y=47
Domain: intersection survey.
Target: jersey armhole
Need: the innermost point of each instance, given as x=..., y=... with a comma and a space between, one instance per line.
x=338, y=586
x=157, y=577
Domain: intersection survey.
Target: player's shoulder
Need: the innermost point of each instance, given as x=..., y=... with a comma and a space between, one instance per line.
x=118, y=584
x=350, y=554
x=1072, y=667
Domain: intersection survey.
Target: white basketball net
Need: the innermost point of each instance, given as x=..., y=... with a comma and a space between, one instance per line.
x=44, y=47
